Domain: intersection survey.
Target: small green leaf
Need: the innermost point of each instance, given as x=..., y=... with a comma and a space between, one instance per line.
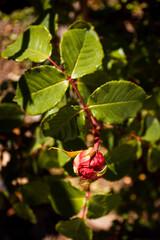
x=75, y=229
x=101, y=204
x=118, y=54
x=153, y=163
x=23, y=210
x=10, y=117
x=63, y=194
x=40, y=89
x=34, y=44
x=116, y=101
x=62, y=124
x=152, y=129
x=81, y=52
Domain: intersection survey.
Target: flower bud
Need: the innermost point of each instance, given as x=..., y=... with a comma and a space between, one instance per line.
x=89, y=164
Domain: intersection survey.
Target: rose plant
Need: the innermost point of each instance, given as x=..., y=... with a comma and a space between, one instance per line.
x=68, y=88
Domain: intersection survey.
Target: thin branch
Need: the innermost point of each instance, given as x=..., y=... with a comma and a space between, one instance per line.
x=95, y=126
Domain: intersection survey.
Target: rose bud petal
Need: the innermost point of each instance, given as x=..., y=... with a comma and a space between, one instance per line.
x=89, y=164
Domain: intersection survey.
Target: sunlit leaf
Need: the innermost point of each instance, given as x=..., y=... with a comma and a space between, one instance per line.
x=40, y=89
x=116, y=101
x=34, y=44
x=152, y=129
x=81, y=52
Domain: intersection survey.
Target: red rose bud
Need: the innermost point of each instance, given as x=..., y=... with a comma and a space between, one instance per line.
x=89, y=164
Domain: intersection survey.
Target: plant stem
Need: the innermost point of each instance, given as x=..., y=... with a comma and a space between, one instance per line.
x=95, y=126
x=87, y=197
x=58, y=67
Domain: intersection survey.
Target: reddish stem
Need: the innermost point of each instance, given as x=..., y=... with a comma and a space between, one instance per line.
x=58, y=67
x=95, y=126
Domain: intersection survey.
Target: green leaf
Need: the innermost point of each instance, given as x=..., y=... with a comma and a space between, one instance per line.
x=34, y=44
x=48, y=159
x=23, y=210
x=75, y=229
x=63, y=194
x=120, y=161
x=101, y=204
x=10, y=117
x=80, y=24
x=152, y=129
x=35, y=192
x=118, y=54
x=81, y=52
x=62, y=124
x=40, y=89
x=116, y=101
x=153, y=163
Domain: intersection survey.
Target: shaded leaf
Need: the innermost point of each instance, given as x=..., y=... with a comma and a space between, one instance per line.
x=48, y=159
x=23, y=210
x=120, y=161
x=116, y=101
x=40, y=89
x=63, y=194
x=80, y=24
x=153, y=163
x=81, y=52
x=62, y=124
x=39, y=140
x=75, y=229
x=101, y=204
x=35, y=192
x=49, y=20
x=34, y=44
x=10, y=117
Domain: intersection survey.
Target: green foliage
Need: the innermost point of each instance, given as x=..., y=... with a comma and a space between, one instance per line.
x=38, y=92
x=75, y=229
x=84, y=83
x=63, y=194
x=120, y=161
x=115, y=101
x=100, y=205
x=24, y=211
x=26, y=46
x=35, y=192
x=153, y=159
x=11, y=117
x=61, y=124
x=81, y=52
